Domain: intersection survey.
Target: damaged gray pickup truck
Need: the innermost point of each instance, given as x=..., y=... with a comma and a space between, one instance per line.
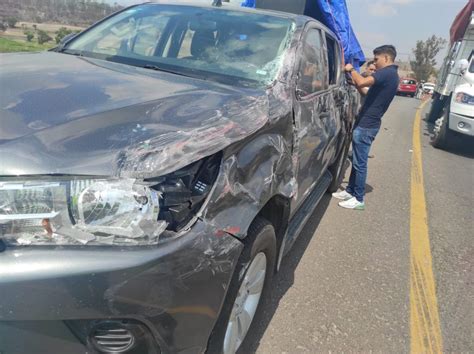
x=155, y=169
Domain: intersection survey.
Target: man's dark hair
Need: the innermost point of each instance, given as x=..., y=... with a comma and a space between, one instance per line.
x=387, y=50
x=370, y=62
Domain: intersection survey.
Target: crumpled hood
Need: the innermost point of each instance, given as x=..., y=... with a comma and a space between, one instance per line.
x=62, y=114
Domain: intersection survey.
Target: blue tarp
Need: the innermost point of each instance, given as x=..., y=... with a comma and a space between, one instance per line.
x=336, y=16
x=248, y=3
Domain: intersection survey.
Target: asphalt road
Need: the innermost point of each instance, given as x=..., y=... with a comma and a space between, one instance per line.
x=345, y=286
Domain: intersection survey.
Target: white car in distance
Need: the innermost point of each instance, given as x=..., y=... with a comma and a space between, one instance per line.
x=428, y=87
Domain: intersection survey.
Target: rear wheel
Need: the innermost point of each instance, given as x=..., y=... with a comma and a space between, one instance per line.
x=248, y=289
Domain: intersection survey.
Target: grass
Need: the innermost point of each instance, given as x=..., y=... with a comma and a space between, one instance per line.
x=9, y=46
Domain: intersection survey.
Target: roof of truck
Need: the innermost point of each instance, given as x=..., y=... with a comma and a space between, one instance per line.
x=461, y=22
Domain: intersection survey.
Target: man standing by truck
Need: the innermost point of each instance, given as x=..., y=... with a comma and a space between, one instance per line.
x=383, y=87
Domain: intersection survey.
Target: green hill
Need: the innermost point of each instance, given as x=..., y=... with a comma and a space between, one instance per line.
x=69, y=12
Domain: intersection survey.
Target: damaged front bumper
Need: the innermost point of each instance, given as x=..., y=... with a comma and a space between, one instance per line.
x=65, y=299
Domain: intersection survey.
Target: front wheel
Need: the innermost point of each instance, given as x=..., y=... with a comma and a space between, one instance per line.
x=248, y=289
x=436, y=110
x=442, y=134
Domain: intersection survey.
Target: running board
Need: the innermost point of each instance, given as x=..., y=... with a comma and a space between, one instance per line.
x=300, y=218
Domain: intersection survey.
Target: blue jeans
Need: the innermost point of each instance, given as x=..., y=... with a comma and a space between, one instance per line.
x=362, y=139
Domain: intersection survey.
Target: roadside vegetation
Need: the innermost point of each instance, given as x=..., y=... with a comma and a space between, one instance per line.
x=31, y=25
x=424, y=65
x=80, y=13
x=8, y=46
x=27, y=37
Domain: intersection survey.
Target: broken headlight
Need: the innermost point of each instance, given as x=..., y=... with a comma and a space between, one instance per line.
x=183, y=192
x=100, y=211
x=79, y=211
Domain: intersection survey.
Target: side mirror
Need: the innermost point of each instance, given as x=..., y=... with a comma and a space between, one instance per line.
x=463, y=64
x=300, y=93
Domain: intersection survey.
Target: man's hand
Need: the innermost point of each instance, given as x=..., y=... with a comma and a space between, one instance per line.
x=359, y=81
x=348, y=67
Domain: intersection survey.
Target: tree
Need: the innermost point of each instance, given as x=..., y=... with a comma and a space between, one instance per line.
x=29, y=35
x=425, y=52
x=61, y=33
x=43, y=37
x=11, y=21
x=3, y=28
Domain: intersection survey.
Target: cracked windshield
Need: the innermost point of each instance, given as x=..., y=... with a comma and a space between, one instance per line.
x=207, y=43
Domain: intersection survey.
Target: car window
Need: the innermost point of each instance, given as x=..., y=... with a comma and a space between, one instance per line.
x=312, y=73
x=227, y=44
x=408, y=82
x=333, y=59
x=185, y=49
x=146, y=30
x=471, y=67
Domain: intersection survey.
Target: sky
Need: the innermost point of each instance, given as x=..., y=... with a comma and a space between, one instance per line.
x=397, y=22
x=402, y=22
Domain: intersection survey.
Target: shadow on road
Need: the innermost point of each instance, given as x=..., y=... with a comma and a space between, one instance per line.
x=284, y=279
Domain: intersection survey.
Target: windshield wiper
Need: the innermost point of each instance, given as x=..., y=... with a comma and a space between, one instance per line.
x=78, y=53
x=158, y=68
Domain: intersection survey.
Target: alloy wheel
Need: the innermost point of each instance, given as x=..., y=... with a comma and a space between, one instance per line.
x=246, y=303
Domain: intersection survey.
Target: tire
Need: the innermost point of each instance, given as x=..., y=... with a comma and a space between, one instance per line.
x=259, y=247
x=436, y=109
x=337, y=169
x=442, y=134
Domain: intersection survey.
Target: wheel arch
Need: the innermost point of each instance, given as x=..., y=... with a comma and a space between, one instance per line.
x=277, y=212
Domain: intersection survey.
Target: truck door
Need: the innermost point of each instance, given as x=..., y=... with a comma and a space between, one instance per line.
x=338, y=101
x=312, y=112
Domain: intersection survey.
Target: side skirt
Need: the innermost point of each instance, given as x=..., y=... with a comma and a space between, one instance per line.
x=304, y=212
